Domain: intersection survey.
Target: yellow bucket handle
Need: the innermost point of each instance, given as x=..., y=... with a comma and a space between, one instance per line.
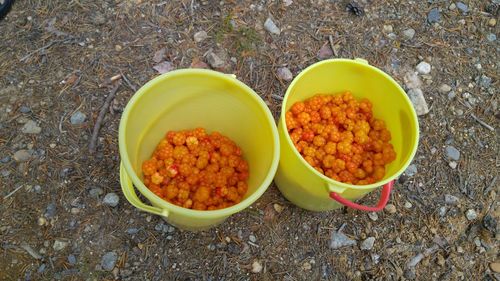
x=129, y=192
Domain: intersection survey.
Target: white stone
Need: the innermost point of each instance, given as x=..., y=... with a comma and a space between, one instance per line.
x=256, y=267
x=271, y=27
x=424, y=68
x=200, y=36
x=417, y=98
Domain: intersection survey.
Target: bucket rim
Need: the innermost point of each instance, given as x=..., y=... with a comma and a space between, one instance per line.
x=172, y=208
x=331, y=183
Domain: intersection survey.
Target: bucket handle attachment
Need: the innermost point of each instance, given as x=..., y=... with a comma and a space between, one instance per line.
x=384, y=198
x=129, y=192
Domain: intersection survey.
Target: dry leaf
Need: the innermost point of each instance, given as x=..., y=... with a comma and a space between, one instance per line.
x=164, y=67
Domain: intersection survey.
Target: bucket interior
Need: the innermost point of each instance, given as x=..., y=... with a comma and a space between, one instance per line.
x=187, y=100
x=389, y=101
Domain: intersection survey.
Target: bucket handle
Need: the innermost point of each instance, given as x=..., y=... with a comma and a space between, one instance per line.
x=129, y=192
x=384, y=198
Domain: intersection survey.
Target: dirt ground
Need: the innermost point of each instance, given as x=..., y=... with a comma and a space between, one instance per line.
x=57, y=58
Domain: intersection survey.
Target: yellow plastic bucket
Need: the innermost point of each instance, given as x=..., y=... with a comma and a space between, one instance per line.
x=307, y=188
x=190, y=98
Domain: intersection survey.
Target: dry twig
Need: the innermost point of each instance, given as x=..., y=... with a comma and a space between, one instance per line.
x=100, y=118
x=482, y=122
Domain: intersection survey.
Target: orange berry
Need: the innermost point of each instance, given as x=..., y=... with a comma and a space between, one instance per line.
x=304, y=118
x=378, y=125
x=171, y=192
x=242, y=188
x=344, y=147
x=156, y=178
x=319, y=141
x=325, y=112
x=328, y=161
x=330, y=148
x=298, y=107
x=307, y=135
x=149, y=167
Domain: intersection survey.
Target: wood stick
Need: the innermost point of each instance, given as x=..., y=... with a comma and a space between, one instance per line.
x=100, y=118
x=482, y=122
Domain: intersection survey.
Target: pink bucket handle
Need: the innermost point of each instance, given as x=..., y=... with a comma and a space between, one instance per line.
x=384, y=198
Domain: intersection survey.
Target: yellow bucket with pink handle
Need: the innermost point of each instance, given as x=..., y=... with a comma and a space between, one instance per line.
x=304, y=186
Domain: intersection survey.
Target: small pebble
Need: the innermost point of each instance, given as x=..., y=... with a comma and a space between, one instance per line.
x=22, y=155
x=306, y=266
x=24, y=109
x=387, y=28
x=31, y=127
x=451, y=200
x=491, y=37
x=75, y=211
x=200, y=36
x=284, y=74
x=453, y=164
x=408, y=205
x=423, y=68
x=485, y=81
x=460, y=250
x=132, y=231
x=41, y=269
x=278, y=208
x=108, y=261
x=256, y=267
x=409, y=33
x=5, y=173
x=462, y=7
x=111, y=199
x=59, y=245
x=442, y=211
x=325, y=52
x=252, y=238
x=452, y=6
x=78, y=118
x=339, y=240
x=368, y=243
x=50, y=210
x=418, y=100
x=96, y=192
x=411, y=170
x=390, y=208
x=410, y=273
x=444, y=88
x=5, y=160
x=271, y=27
x=471, y=214
x=433, y=16
x=72, y=259
x=214, y=60
x=373, y=216
x=492, y=22
x=42, y=221
x=490, y=223
x=452, y=153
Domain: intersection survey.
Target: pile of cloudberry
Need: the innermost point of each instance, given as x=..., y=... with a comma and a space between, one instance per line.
x=197, y=170
x=339, y=137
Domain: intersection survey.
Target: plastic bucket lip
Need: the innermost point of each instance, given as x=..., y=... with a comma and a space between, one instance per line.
x=325, y=178
x=172, y=207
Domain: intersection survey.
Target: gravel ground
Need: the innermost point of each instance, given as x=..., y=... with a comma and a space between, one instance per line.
x=64, y=216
